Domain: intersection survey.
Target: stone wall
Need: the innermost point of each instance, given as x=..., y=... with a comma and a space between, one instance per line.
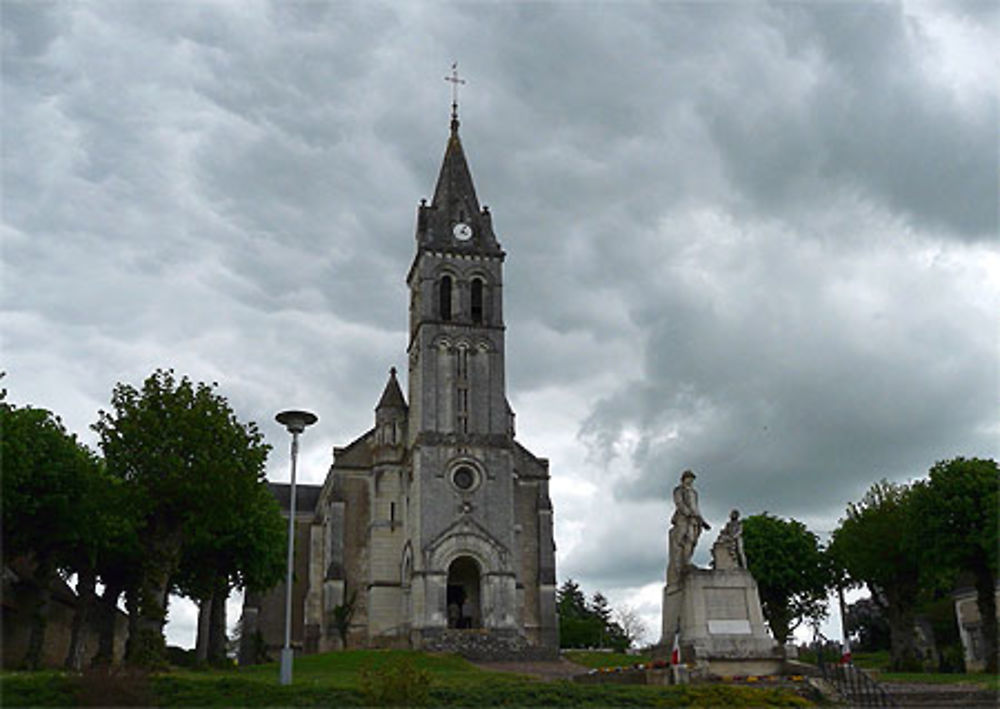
x=484, y=645
x=18, y=597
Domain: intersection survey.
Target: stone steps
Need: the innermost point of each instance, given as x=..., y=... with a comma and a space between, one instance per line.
x=941, y=695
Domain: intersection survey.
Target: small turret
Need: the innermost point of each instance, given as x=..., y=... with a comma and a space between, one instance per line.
x=390, y=419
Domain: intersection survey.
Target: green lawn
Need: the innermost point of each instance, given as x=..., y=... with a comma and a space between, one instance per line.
x=337, y=679
x=598, y=660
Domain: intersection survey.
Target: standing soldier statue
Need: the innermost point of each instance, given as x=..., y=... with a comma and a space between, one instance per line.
x=686, y=526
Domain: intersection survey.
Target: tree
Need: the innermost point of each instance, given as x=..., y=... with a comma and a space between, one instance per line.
x=104, y=554
x=177, y=446
x=955, y=513
x=578, y=627
x=46, y=474
x=570, y=600
x=791, y=571
x=875, y=545
x=118, y=561
x=632, y=625
x=867, y=626
x=242, y=545
x=583, y=624
x=341, y=618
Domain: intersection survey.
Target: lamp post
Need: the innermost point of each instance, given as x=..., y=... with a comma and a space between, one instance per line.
x=295, y=422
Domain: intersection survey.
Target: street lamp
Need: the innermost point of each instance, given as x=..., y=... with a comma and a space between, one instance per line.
x=295, y=422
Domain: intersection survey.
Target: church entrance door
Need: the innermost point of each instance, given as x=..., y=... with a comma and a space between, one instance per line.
x=463, y=593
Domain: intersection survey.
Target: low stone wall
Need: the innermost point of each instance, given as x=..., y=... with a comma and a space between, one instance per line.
x=485, y=645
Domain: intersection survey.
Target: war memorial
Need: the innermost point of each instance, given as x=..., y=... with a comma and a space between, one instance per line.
x=713, y=616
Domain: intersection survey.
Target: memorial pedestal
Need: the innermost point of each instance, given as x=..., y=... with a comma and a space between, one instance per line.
x=718, y=615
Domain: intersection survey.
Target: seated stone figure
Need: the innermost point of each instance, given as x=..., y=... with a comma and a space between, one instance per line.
x=727, y=552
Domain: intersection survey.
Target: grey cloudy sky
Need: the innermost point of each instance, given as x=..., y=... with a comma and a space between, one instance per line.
x=756, y=240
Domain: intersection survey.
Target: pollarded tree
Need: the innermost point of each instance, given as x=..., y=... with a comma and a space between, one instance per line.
x=791, y=571
x=46, y=475
x=118, y=560
x=177, y=445
x=955, y=511
x=876, y=546
x=241, y=546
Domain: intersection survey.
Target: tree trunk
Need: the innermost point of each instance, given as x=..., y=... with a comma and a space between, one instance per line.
x=776, y=613
x=217, y=623
x=903, y=649
x=107, y=624
x=42, y=578
x=85, y=583
x=201, y=643
x=132, y=607
x=986, y=601
x=149, y=648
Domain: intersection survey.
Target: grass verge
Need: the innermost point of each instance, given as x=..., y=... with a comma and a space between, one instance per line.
x=335, y=679
x=600, y=660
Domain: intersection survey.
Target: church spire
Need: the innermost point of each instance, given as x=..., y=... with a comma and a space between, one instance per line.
x=454, y=219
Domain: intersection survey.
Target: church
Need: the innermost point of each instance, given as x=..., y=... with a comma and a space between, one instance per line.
x=433, y=529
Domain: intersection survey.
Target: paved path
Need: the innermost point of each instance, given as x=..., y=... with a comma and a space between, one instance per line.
x=545, y=671
x=908, y=694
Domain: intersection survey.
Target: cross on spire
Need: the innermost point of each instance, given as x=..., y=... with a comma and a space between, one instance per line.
x=455, y=81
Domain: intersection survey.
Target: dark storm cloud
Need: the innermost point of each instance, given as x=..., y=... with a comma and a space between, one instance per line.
x=859, y=119
x=808, y=367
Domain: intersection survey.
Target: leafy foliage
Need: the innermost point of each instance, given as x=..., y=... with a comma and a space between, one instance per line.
x=955, y=530
x=867, y=626
x=395, y=682
x=190, y=467
x=791, y=571
x=341, y=618
x=587, y=624
x=876, y=546
x=46, y=473
x=49, y=518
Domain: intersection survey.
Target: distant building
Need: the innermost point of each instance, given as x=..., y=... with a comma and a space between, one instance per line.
x=436, y=521
x=970, y=627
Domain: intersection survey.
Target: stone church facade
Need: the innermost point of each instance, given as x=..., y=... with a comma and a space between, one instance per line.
x=435, y=525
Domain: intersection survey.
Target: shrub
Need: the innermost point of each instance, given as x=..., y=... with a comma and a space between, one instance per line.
x=179, y=657
x=394, y=681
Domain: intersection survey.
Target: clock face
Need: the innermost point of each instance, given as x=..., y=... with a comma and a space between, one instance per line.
x=462, y=231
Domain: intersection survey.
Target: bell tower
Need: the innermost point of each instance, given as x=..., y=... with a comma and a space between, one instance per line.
x=456, y=286
x=460, y=428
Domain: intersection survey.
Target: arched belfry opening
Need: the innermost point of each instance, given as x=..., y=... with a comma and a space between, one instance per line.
x=476, y=307
x=444, y=297
x=464, y=610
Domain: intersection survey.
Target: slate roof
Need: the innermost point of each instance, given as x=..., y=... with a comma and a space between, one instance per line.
x=306, y=496
x=356, y=454
x=392, y=397
x=455, y=201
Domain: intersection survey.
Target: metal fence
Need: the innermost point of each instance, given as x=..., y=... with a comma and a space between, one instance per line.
x=854, y=684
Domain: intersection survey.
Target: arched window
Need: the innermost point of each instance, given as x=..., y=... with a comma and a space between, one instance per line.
x=444, y=299
x=477, y=300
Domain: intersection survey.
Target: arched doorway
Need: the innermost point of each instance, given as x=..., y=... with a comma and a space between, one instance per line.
x=463, y=594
